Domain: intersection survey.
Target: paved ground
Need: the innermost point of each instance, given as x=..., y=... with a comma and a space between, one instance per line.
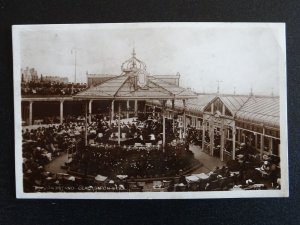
x=209, y=162
x=55, y=165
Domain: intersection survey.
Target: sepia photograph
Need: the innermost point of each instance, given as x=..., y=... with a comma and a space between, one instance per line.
x=150, y=110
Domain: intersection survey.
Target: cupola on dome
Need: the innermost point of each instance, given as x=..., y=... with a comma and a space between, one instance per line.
x=133, y=64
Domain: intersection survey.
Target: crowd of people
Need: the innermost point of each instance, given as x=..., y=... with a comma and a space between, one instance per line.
x=139, y=156
x=140, y=153
x=136, y=162
x=247, y=169
x=41, y=146
x=51, y=88
x=245, y=174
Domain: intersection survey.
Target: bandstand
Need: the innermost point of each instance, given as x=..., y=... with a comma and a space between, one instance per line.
x=134, y=84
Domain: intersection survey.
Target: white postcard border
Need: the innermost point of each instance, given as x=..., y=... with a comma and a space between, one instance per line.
x=284, y=192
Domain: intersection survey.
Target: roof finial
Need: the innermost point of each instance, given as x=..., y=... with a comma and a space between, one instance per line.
x=133, y=58
x=251, y=91
x=218, y=88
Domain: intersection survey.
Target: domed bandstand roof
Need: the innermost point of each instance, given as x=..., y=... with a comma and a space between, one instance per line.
x=126, y=87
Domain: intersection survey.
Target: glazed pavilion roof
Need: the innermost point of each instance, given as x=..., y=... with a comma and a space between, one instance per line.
x=263, y=110
x=257, y=109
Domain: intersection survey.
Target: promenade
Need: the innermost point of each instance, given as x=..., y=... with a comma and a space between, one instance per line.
x=209, y=162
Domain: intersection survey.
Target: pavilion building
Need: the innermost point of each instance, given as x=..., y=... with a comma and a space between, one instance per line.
x=236, y=119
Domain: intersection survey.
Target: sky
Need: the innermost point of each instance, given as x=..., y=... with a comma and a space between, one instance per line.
x=240, y=55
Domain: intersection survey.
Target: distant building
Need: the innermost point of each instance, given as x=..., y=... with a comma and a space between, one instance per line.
x=34, y=75
x=55, y=79
x=29, y=74
x=94, y=79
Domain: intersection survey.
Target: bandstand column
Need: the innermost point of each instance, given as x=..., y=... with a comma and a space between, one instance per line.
x=180, y=134
x=127, y=107
x=112, y=110
x=61, y=115
x=90, y=110
x=30, y=113
x=135, y=107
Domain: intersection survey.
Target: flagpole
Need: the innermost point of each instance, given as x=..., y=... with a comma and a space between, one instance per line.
x=75, y=65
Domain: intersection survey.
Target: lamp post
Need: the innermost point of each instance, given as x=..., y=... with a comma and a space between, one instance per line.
x=218, y=88
x=75, y=61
